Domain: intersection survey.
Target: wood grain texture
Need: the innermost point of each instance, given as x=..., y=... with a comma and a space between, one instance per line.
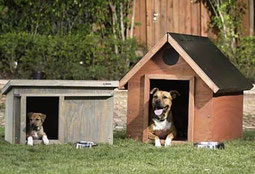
x=169, y=16
x=134, y=120
x=59, y=83
x=205, y=19
x=181, y=17
x=16, y=115
x=149, y=23
x=88, y=119
x=23, y=116
x=146, y=95
x=227, y=117
x=202, y=106
x=174, y=16
x=62, y=120
x=156, y=23
x=176, y=11
x=195, y=18
x=9, y=118
x=84, y=112
x=143, y=17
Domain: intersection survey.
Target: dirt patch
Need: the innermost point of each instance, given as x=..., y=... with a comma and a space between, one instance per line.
x=249, y=121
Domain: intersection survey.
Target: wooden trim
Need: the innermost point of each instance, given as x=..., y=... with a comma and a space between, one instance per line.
x=191, y=80
x=191, y=119
x=67, y=95
x=146, y=108
x=61, y=119
x=193, y=64
x=59, y=83
x=181, y=51
x=23, y=114
x=143, y=61
x=168, y=77
x=51, y=142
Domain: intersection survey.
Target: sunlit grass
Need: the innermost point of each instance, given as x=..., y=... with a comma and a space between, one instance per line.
x=129, y=156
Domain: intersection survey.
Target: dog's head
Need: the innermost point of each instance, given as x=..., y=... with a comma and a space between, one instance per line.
x=162, y=102
x=36, y=120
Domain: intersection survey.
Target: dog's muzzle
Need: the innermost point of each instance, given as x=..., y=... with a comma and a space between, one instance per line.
x=160, y=110
x=36, y=128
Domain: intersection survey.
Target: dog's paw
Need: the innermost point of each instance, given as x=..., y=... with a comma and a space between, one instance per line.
x=30, y=141
x=45, y=140
x=168, y=142
x=157, y=142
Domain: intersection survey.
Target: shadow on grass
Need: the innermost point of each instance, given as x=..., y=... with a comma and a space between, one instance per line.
x=249, y=135
x=120, y=134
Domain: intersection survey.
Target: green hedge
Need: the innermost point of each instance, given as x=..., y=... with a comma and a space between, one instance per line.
x=64, y=57
x=245, y=57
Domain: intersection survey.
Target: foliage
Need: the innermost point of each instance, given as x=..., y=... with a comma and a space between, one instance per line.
x=70, y=39
x=64, y=57
x=245, y=57
x=52, y=17
x=227, y=18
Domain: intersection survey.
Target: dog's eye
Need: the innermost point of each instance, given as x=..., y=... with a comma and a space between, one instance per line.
x=155, y=96
x=37, y=119
x=165, y=97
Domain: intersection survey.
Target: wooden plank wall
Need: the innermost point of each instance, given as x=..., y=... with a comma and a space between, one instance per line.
x=202, y=98
x=156, y=17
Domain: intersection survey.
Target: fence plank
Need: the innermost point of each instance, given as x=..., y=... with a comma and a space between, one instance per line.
x=142, y=14
x=157, y=22
x=176, y=16
x=163, y=14
x=169, y=16
x=149, y=23
x=195, y=19
x=187, y=17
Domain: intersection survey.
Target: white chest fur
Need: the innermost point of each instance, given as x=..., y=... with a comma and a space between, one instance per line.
x=35, y=135
x=161, y=125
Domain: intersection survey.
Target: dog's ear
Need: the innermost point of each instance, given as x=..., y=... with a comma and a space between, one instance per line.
x=43, y=117
x=174, y=93
x=154, y=90
x=29, y=115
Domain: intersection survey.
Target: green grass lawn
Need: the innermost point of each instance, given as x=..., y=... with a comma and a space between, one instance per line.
x=129, y=156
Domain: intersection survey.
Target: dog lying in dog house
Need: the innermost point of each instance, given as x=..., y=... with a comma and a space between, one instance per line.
x=162, y=125
x=34, y=130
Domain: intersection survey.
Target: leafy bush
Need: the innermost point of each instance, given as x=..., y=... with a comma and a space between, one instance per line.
x=246, y=57
x=227, y=16
x=51, y=17
x=64, y=57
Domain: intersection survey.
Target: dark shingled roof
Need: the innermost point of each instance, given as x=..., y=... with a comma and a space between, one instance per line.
x=213, y=62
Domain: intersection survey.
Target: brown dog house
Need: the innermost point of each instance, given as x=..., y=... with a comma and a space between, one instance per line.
x=210, y=107
x=75, y=110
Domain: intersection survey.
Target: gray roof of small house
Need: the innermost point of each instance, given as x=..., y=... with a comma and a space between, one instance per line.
x=60, y=84
x=213, y=62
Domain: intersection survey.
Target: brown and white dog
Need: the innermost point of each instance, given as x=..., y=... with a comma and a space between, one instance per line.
x=35, y=128
x=162, y=126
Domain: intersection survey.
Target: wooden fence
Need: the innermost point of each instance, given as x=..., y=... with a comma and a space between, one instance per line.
x=156, y=17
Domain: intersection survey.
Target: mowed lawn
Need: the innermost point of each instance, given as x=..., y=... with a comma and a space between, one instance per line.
x=129, y=156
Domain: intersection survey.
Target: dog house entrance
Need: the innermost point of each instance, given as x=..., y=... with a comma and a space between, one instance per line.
x=181, y=105
x=48, y=106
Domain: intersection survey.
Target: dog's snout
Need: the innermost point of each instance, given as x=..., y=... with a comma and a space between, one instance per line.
x=157, y=101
